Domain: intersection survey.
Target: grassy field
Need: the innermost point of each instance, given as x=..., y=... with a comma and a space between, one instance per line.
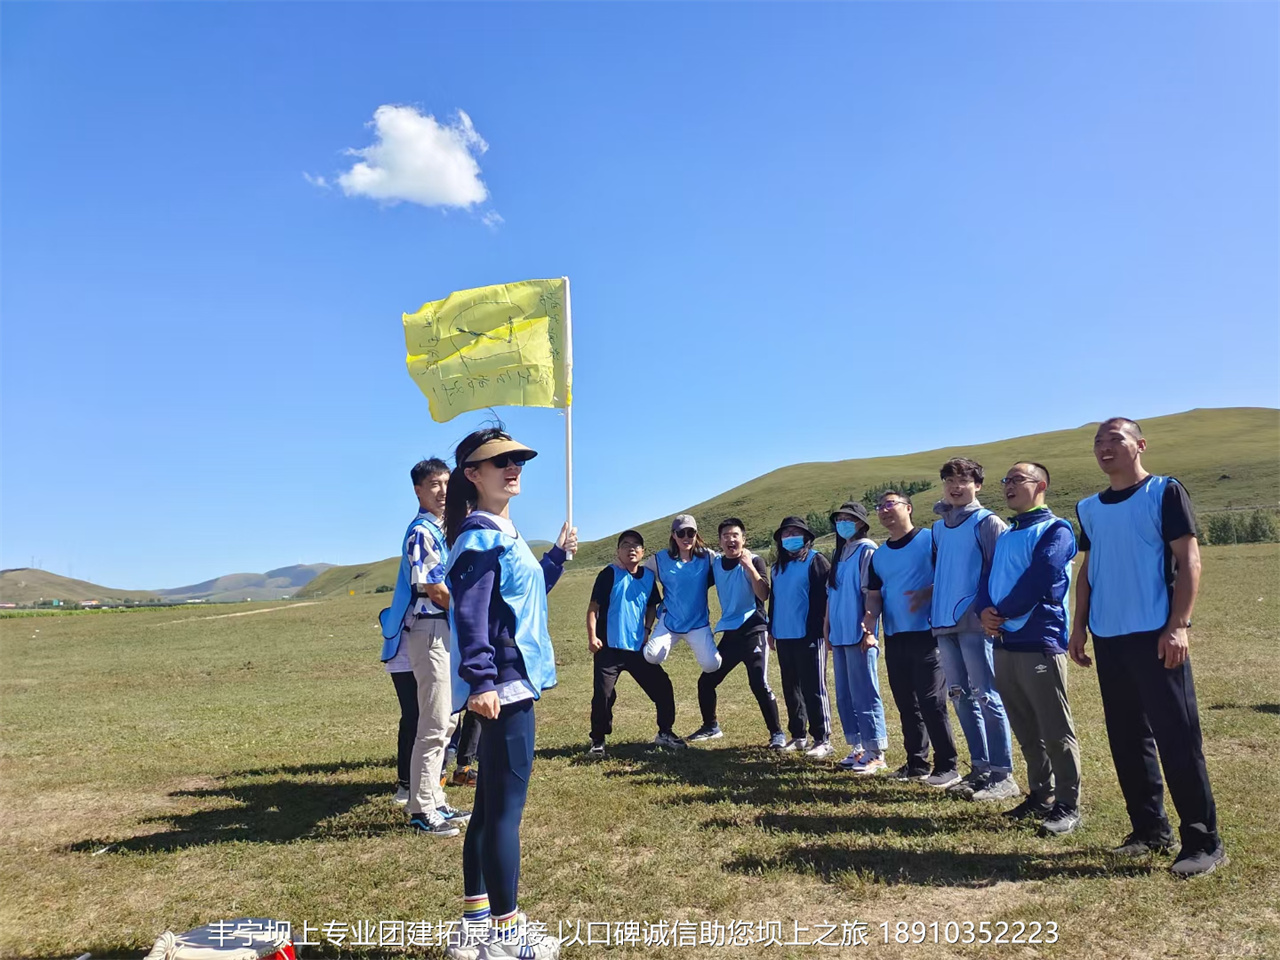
x=166, y=768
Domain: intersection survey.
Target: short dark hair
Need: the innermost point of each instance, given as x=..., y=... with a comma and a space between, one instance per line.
x=731, y=522
x=424, y=470
x=632, y=534
x=893, y=492
x=1039, y=468
x=1126, y=423
x=962, y=467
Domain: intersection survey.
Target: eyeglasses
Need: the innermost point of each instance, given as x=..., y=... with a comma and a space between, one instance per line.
x=1010, y=481
x=687, y=533
x=888, y=505
x=504, y=460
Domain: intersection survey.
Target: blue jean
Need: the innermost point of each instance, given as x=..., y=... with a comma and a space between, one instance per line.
x=970, y=668
x=858, y=697
x=491, y=848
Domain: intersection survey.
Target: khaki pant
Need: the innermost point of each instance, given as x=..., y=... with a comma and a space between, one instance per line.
x=1033, y=687
x=427, y=642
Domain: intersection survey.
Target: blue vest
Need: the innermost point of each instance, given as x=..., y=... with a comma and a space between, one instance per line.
x=627, y=603
x=957, y=569
x=737, y=599
x=392, y=618
x=845, y=604
x=684, y=591
x=523, y=588
x=1127, y=588
x=906, y=568
x=791, y=598
x=1012, y=558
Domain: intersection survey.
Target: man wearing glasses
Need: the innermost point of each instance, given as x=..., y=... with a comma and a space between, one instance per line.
x=900, y=585
x=1023, y=602
x=1135, y=592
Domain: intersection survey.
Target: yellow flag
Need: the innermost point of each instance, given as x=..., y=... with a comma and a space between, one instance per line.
x=499, y=346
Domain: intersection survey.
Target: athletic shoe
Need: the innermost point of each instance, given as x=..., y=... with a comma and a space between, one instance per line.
x=798, y=745
x=668, y=741
x=402, y=795
x=907, y=772
x=820, y=750
x=853, y=759
x=466, y=940
x=1006, y=788
x=454, y=815
x=1061, y=821
x=942, y=778
x=596, y=749
x=432, y=823
x=869, y=766
x=1028, y=808
x=1137, y=845
x=520, y=943
x=464, y=776
x=777, y=741
x=1188, y=865
x=708, y=731
x=970, y=784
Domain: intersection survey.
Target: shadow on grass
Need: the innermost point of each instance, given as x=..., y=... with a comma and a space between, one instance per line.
x=865, y=823
x=277, y=810
x=1271, y=708
x=933, y=868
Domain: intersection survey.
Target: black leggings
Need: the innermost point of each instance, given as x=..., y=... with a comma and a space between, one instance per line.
x=407, y=694
x=491, y=850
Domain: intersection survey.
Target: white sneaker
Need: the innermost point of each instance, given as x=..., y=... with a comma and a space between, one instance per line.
x=870, y=766
x=466, y=941
x=853, y=759
x=796, y=745
x=402, y=795
x=522, y=942
x=820, y=750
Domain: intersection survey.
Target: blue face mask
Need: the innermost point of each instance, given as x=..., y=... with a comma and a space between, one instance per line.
x=846, y=528
x=793, y=544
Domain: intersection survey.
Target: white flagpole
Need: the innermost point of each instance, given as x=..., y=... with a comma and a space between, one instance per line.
x=568, y=408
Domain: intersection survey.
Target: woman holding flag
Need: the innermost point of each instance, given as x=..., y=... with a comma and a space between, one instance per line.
x=502, y=660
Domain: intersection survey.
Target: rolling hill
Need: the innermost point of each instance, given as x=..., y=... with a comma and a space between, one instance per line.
x=25, y=585
x=1228, y=459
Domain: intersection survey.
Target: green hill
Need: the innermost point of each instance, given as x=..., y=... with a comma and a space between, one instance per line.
x=25, y=585
x=368, y=577
x=1227, y=458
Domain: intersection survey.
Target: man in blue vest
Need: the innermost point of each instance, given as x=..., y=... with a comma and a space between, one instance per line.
x=964, y=541
x=1023, y=599
x=741, y=580
x=418, y=618
x=623, y=608
x=900, y=584
x=1135, y=592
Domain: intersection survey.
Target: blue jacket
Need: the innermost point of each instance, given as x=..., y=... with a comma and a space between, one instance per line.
x=484, y=624
x=1041, y=591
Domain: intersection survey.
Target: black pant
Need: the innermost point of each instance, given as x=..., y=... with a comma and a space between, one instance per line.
x=804, y=687
x=608, y=665
x=920, y=690
x=407, y=694
x=751, y=649
x=1147, y=707
x=466, y=738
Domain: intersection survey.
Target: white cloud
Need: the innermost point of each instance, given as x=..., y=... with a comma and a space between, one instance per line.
x=491, y=219
x=417, y=159
x=315, y=181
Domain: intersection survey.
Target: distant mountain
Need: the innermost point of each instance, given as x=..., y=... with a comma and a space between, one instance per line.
x=272, y=585
x=26, y=585
x=368, y=577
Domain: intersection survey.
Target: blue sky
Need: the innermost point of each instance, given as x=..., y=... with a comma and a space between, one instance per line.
x=800, y=232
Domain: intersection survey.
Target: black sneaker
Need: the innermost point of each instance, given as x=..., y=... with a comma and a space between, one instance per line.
x=1028, y=808
x=1197, y=864
x=1140, y=845
x=432, y=823
x=708, y=731
x=943, y=778
x=908, y=772
x=1061, y=821
x=596, y=749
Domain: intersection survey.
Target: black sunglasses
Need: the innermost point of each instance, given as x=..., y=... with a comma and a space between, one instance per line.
x=686, y=532
x=504, y=460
